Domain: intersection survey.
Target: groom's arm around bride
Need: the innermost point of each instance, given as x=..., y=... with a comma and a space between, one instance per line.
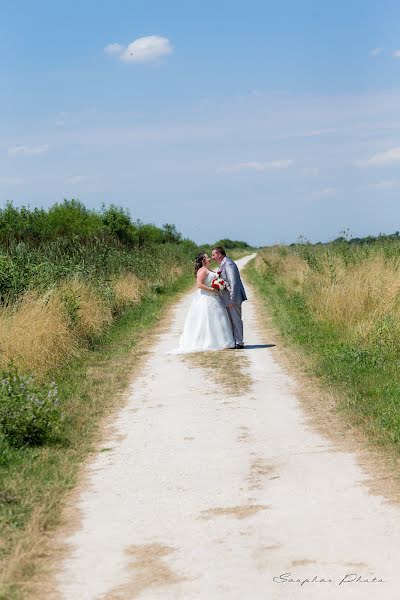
x=234, y=295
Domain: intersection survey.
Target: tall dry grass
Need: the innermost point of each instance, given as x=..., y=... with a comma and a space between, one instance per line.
x=35, y=334
x=361, y=298
x=43, y=331
x=289, y=268
x=171, y=273
x=128, y=290
x=89, y=313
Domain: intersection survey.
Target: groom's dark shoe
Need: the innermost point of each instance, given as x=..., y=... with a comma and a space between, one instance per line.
x=239, y=346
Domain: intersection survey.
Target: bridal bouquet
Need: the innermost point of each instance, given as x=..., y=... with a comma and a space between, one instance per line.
x=218, y=283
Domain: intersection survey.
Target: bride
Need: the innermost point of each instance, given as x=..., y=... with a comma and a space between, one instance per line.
x=207, y=325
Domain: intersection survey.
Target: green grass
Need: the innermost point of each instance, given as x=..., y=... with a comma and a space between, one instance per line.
x=34, y=480
x=366, y=380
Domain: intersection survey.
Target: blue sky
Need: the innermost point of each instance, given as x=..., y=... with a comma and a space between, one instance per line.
x=253, y=120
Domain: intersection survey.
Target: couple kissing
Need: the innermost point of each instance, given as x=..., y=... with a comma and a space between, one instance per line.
x=214, y=320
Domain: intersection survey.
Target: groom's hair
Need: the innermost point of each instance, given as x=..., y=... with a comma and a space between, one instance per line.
x=220, y=250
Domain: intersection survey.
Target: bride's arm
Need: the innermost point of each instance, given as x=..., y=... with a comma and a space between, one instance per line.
x=201, y=276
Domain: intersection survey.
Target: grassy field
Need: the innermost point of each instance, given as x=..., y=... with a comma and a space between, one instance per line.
x=35, y=479
x=81, y=293
x=339, y=304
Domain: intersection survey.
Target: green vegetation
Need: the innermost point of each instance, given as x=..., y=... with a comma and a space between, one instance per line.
x=233, y=245
x=340, y=304
x=234, y=248
x=80, y=292
x=41, y=247
x=35, y=478
x=29, y=413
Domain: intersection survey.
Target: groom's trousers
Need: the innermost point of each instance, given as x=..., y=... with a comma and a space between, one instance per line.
x=235, y=316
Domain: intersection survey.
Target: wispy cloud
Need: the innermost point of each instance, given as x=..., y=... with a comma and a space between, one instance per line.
x=142, y=50
x=60, y=119
x=113, y=49
x=396, y=54
x=308, y=134
x=74, y=179
x=325, y=192
x=382, y=159
x=256, y=166
x=317, y=132
x=376, y=51
x=28, y=150
x=11, y=180
x=386, y=184
x=309, y=171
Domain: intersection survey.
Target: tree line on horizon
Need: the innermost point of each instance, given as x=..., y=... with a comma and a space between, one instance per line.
x=346, y=239
x=72, y=219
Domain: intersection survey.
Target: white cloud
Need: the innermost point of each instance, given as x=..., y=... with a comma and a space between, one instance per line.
x=11, y=180
x=309, y=171
x=113, y=49
x=317, y=132
x=142, y=50
x=396, y=54
x=256, y=166
x=28, y=150
x=60, y=119
x=387, y=184
x=326, y=192
x=376, y=51
x=76, y=179
x=382, y=159
x=307, y=134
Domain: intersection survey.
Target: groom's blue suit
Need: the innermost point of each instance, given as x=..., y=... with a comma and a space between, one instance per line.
x=235, y=295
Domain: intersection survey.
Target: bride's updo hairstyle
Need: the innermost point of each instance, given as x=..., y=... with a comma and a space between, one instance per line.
x=198, y=262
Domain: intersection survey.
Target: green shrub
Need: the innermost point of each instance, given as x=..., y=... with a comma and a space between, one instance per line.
x=29, y=413
x=229, y=244
x=117, y=223
x=39, y=247
x=6, y=453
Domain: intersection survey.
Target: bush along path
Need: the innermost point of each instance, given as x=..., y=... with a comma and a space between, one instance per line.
x=213, y=482
x=80, y=294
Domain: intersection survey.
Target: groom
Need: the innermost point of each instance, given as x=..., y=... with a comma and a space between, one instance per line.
x=234, y=295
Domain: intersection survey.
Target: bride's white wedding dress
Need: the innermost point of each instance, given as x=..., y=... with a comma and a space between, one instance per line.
x=207, y=325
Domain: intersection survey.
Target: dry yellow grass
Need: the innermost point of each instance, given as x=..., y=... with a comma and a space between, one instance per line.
x=128, y=289
x=295, y=271
x=290, y=268
x=91, y=313
x=34, y=333
x=362, y=300
x=172, y=273
x=167, y=275
x=43, y=331
x=359, y=297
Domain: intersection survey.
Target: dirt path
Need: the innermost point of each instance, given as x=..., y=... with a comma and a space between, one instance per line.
x=214, y=485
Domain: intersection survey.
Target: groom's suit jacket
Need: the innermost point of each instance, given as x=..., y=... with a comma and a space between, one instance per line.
x=234, y=294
